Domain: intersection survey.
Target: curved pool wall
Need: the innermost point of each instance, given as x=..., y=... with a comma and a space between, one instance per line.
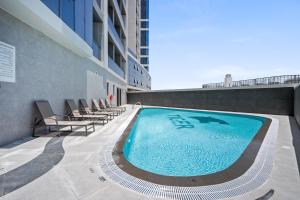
x=173, y=142
x=239, y=167
x=110, y=161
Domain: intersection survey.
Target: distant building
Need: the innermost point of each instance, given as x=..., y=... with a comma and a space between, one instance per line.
x=273, y=80
x=144, y=22
x=228, y=80
x=138, y=45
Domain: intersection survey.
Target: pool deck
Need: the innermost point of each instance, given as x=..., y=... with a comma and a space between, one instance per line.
x=68, y=167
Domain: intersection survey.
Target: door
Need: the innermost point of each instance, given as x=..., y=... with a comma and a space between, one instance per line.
x=119, y=97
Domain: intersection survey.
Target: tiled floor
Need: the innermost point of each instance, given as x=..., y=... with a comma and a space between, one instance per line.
x=68, y=168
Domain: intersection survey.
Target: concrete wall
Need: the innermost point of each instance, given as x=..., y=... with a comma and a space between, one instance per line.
x=138, y=76
x=44, y=70
x=297, y=105
x=277, y=100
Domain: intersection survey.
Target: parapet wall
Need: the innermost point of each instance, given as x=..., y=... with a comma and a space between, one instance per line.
x=268, y=100
x=297, y=105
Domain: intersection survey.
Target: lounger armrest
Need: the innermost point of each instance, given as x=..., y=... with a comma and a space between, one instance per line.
x=92, y=112
x=82, y=111
x=54, y=118
x=67, y=116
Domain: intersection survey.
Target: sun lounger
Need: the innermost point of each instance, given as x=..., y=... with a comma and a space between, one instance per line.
x=49, y=119
x=84, y=107
x=103, y=106
x=96, y=107
x=108, y=105
x=74, y=113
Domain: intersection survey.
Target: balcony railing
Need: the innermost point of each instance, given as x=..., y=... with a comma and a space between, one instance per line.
x=115, y=67
x=115, y=34
x=99, y=8
x=96, y=50
x=99, y=2
x=119, y=13
x=274, y=80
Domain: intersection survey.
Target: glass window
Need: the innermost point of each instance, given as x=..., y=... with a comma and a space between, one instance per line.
x=88, y=21
x=79, y=18
x=145, y=52
x=68, y=12
x=52, y=5
x=144, y=38
x=144, y=24
x=145, y=9
x=144, y=61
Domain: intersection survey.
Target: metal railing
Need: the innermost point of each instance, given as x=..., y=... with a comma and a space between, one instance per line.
x=137, y=103
x=273, y=80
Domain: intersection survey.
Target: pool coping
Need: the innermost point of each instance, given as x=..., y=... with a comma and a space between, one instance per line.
x=252, y=178
x=238, y=168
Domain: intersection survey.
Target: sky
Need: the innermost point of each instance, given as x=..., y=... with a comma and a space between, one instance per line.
x=193, y=42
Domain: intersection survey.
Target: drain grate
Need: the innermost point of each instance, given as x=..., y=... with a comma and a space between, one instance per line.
x=92, y=170
x=256, y=175
x=102, y=179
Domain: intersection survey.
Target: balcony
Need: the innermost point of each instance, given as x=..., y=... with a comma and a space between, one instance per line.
x=115, y=67
x=99, y=2
x=119, y=13
x=116, y=36
x=98, y=8
x=96, y=50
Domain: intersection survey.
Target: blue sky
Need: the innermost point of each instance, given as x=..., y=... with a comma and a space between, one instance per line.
x=198, y=41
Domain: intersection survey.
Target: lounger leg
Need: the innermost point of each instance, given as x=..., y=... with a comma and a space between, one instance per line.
x=33, y=131
x=58, y=131
x=71, y=128
x=94, y=127
x=86, y=131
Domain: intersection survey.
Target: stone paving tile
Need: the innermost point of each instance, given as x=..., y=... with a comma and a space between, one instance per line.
x=78, y=174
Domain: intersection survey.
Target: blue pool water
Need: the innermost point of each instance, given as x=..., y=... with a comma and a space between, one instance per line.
x=175, y=142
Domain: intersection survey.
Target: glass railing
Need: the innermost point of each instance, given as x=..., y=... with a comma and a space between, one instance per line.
x=120, y=11
x=115, y=67
x=115, y=34
x=99, y=3
x=96, y=50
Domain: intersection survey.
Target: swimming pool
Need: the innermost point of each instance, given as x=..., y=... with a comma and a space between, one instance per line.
x=188, y=147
